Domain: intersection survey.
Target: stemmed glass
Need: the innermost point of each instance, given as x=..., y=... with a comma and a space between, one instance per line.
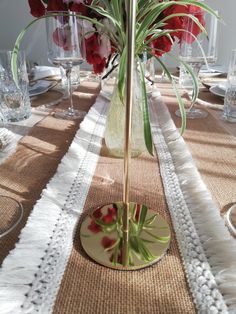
x=65, y=48
x=11, y=213
x=196, y=53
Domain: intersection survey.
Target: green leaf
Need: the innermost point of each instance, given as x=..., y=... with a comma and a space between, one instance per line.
x=146, y=121
x=158, y=238
x=121, y=75
x=179, y=99
x=150, y=220
x=144, y=251
x=142, y=217
x=133, y=228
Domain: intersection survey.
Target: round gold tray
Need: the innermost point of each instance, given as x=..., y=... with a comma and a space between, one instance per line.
x=102, y=237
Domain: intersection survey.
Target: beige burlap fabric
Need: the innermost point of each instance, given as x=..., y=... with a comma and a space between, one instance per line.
x=90, y=288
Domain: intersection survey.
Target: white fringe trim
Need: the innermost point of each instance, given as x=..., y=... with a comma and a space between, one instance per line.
x=31, y=274
x=207, y=249
x=8, y=144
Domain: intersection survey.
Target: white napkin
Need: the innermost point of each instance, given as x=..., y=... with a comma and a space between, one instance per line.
x=223, y=86
x=42, y=71
x=40, y=87
x=7, y=144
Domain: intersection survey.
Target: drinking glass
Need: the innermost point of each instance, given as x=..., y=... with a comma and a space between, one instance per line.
x=11, y=213
x=14, y=99
x=230, y=95
x=65, y=48
x=195, y=53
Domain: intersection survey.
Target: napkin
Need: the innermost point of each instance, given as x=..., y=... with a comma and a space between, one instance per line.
x=40, y=87
x=40, y=71
x=223, y=86
x=7, y=144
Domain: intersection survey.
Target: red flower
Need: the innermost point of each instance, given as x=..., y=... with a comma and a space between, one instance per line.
x=180, y=22
x=110, y=216
x=107, y=242
x=93, y=227
x=37, y=8
x=191, y=25
x=62, y=38
x=56, y=5
x=79, y=8
x=99, y=67
x=137, y=212
x=97, y=213
x=161, y=45
x=93, y=57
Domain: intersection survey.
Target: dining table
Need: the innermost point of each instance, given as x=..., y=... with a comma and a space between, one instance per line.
x=60, y=169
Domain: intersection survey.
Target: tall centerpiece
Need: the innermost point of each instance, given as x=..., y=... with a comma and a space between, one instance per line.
x=125, y=235
x=159, y=24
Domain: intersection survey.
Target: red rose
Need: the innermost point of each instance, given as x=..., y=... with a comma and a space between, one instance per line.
x=93, y=227
x=37, y=8
x=92, y=53
x=107, y=242
x=161, y=45
x=137, y=212
x=189, y=24
x=97, y=213
x=110, y=216
x=56, y=5
x=180, y=22
x=62, y=37
x=79, y=8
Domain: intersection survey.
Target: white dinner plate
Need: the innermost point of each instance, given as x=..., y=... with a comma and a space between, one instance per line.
x=217, y=90
x=212, y=81
x=212, y=71
x=231, y=219
x=40, y=87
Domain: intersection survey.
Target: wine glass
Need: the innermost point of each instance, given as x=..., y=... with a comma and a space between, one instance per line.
x=195, y=53
x=11, y=213
x=65, y=48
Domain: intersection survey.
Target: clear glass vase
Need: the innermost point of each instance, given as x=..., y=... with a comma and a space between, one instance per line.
x=115, y=124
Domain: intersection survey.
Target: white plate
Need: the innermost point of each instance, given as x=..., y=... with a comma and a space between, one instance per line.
x=216, y=90
x=231, y=219
x=213, y=71
x=212, y=81
x=40, y=87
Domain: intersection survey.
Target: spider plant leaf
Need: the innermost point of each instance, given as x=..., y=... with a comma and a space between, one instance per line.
x=146, y=121
x=142, y=217
x=179, y=99
x=121, y=75
x=158, y=238
x=150, y=220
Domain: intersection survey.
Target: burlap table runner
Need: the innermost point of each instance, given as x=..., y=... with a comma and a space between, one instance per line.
x=87, y=287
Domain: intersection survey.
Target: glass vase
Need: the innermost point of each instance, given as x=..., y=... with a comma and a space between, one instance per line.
x=115, y=124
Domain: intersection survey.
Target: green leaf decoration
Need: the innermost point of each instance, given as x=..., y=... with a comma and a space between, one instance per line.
x=142, y=217
x=146, y=121
x=121, y=74
x=158, y=238
x=150, y=220
x=179, y=99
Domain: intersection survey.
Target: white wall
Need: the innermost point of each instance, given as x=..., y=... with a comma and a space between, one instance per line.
x=14, y=15
x=227, y=30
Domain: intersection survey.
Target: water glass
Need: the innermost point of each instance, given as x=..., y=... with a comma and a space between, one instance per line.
x=230, y=95
x=14, y=100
